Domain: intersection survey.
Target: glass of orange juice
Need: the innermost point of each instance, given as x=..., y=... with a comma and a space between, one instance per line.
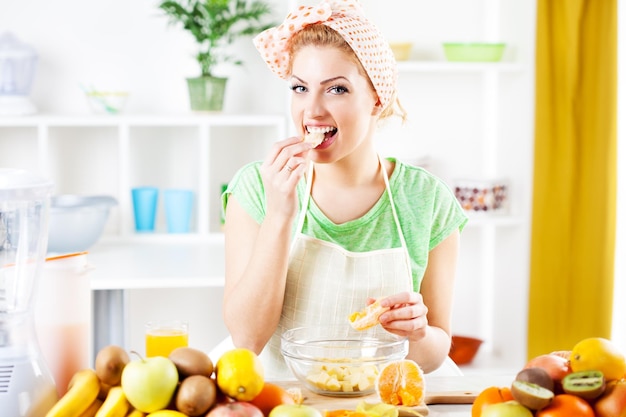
x=162, y=337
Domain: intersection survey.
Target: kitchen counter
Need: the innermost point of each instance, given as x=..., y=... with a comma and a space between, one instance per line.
x=147, y=262
x=158, y=262
x=465, y=388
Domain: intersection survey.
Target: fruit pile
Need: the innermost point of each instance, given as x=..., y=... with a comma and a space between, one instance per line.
x=184, y=384
x=588, y=381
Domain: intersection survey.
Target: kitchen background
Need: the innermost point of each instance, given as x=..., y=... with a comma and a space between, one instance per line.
x=466, y=122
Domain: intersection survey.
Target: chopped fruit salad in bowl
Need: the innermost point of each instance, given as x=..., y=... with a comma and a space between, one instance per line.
x=339, y=360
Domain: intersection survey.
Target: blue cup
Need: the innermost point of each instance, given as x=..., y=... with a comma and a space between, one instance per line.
x=178, y=209
x=145, y=207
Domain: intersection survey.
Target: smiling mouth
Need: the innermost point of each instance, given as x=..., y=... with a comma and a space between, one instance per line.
x=318, y=135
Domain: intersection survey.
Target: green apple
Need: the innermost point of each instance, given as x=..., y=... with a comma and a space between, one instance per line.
x=294, y=410
x=150, y=383
x=506, y=409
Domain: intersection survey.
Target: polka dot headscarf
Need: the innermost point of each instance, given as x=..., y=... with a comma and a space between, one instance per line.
x=345, y=17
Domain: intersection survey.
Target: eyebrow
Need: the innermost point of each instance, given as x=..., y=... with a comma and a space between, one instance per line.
x=330, y=80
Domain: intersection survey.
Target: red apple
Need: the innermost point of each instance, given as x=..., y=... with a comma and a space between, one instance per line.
x=556, y=366
x=235, y=409
x=613, y=402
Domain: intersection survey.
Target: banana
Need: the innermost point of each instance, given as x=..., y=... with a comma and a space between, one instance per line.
x=93, y=408
x=115, y=405
x=166, y=413
x=81, y=392
x=136, y=413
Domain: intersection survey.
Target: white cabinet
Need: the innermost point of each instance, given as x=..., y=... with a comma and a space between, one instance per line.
x=112, y=154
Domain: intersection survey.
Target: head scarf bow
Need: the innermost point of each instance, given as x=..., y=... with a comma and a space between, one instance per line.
x=345, y=17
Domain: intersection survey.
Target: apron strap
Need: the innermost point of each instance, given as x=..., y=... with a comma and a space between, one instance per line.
x=307, y=195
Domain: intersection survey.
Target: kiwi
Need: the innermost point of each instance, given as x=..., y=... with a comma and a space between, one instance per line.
x=190, y=361
x=109, y=364
x=537, y=376
x=196, y=395
x=532, y=396
x=585, y=384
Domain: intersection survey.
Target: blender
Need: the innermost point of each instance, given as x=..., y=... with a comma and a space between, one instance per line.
x=18, y=63
x=27, y=388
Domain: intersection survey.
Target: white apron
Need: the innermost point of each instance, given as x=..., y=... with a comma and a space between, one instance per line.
x=326, y=283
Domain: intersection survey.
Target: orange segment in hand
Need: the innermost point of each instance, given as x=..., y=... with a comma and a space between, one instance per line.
x=368, y=317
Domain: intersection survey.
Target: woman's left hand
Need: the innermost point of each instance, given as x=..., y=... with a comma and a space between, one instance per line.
x=407, y=316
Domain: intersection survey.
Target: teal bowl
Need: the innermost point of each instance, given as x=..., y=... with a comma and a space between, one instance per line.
x=474, y=52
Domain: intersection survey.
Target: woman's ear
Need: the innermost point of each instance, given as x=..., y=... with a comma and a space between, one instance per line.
x=377, y=109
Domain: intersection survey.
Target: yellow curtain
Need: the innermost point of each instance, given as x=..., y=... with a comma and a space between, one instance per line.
x=574, y=194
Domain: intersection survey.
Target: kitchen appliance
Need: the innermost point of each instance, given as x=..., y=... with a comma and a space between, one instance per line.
x=18, y=62
x=27, y=388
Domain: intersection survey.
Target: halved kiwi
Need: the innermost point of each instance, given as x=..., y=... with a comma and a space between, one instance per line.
x=585, y=384
x=532, y=396
x=537, y=376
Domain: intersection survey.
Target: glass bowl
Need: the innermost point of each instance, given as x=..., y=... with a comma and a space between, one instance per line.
x=338, y=360
x=107, y=102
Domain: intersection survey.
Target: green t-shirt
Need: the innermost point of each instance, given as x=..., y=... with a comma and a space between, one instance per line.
x=427, y=210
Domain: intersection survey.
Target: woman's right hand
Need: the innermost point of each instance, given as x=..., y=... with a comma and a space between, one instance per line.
x=281, y=171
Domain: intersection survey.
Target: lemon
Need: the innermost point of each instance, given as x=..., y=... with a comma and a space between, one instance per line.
x=240, y=374
x=598, y=354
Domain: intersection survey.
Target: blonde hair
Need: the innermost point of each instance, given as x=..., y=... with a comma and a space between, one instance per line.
x=322, y=35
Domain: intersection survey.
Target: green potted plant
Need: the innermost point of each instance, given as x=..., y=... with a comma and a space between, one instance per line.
x=215, y=24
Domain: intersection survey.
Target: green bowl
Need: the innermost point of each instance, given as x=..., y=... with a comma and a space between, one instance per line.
x=474, y=52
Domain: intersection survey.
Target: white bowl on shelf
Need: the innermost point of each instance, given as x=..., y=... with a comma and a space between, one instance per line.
x=77, y=222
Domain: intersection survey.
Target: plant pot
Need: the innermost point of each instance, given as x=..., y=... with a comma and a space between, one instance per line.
x=206, y=93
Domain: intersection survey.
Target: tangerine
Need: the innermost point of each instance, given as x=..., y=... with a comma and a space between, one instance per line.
x=488, y=396
x=270, y=396
x=401, y=383
x=567, y=405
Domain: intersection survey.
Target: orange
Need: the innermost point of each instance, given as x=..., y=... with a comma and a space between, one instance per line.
x=566, y=405
x=488, y=396
x=401, y=383
x=270, y=396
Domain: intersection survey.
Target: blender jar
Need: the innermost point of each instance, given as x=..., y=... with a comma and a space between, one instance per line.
x=28, y=388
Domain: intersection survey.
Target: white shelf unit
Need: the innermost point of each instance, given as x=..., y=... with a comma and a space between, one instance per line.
x=494, y=246
x=110, y=155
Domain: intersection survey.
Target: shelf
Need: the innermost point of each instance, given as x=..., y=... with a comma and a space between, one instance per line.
x=482, y=219
x=111, y=154
x=455, y=67
x=88, y=120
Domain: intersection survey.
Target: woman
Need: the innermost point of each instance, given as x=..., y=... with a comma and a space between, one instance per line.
x=314, y=234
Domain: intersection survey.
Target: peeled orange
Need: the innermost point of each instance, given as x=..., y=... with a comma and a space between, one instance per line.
x=598, y=354
x=240, y=374
x=401, y=383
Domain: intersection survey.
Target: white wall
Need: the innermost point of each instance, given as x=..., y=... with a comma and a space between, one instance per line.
x=124, y=44
x=128, y=44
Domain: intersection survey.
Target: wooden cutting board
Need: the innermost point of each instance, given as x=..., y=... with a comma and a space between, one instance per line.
x=323, y=402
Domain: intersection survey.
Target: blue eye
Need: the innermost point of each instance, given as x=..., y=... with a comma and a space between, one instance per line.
x=298, y=88
x=338, y=89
